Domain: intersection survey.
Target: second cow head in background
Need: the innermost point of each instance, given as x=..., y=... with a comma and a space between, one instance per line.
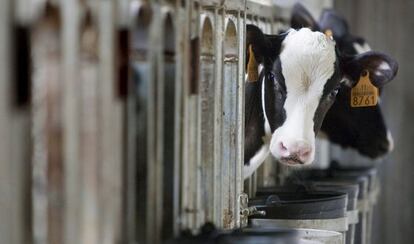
x=363, y=128
x=300, y=76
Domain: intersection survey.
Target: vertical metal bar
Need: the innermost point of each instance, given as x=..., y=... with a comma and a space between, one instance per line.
x=199, y=213
x=140, y=123
x=185, y=171
x=181, y=78
x=198, y=216
x=218, y=30
x=191, y=170
x=88, y=144
x=47, y=124
x=70, y=122
x=158, y=102
x=240, y=115
x=229, y=117
x=110, y=124
x=169, y=124
x=177, y=134
x=207, y=97
x=127, y=17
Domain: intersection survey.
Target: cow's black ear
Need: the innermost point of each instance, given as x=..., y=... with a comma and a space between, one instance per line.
x=381, y=67
x=266, y=48
x=331, y=20
x=256, y=39
x=301, y=17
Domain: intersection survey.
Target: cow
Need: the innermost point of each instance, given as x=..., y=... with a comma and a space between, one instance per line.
x=300, y=75
x=362, y=129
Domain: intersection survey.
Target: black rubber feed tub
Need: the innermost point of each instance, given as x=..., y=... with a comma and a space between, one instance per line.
x=349, y=188
x=301, y=205
x=332, y=175
x=369, y=172
x=364, y=228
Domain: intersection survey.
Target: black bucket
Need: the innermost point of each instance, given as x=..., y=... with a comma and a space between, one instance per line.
x=343, y=186
x=287, y=208
x=367, y=203
x=337, y=174
x=300, y=204
x=351, y=189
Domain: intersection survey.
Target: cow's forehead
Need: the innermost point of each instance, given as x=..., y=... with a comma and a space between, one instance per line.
x=307, y=59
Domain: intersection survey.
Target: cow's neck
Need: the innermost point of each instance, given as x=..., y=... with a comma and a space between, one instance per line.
x=254, y=119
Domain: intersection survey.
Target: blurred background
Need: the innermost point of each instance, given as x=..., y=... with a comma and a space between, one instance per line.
x=385, y=26
x=74, y=167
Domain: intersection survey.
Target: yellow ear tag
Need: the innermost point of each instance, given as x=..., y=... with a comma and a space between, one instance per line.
x=364, y=94
x=252, y=67
x=329, y=33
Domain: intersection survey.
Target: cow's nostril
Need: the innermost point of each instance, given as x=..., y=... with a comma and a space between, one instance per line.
x=305, y=153
x=283, y=150
x=282, y=147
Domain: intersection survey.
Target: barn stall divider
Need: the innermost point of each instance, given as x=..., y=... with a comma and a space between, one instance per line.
x=125, y=119
x=123, y=94
x=205, y=110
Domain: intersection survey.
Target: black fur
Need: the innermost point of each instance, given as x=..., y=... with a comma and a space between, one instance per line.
x=254, y=120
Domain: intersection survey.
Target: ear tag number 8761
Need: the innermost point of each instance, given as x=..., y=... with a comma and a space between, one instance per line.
x=364, y=93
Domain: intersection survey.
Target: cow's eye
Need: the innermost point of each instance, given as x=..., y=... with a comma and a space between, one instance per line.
x=271, y=76
x=334, y=92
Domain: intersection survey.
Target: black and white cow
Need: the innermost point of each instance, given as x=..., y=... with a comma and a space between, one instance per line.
x=363, y=129
x=300, y=77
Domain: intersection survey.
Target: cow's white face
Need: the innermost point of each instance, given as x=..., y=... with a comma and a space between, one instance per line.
x=307, y=63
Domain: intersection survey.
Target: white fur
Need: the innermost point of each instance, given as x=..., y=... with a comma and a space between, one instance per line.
x=307, y=60
x=361, y=48
x=390, y=141
x=347, y=82
x=260, y=67
x=266, y=123
x=378, y=73
x=384, y=66
x=256, y=161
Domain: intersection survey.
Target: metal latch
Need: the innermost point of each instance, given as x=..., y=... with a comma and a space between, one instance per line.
x=246, y=211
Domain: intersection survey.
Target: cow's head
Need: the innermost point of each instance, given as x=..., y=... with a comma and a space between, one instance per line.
x=364, y=128
x=301, y=77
